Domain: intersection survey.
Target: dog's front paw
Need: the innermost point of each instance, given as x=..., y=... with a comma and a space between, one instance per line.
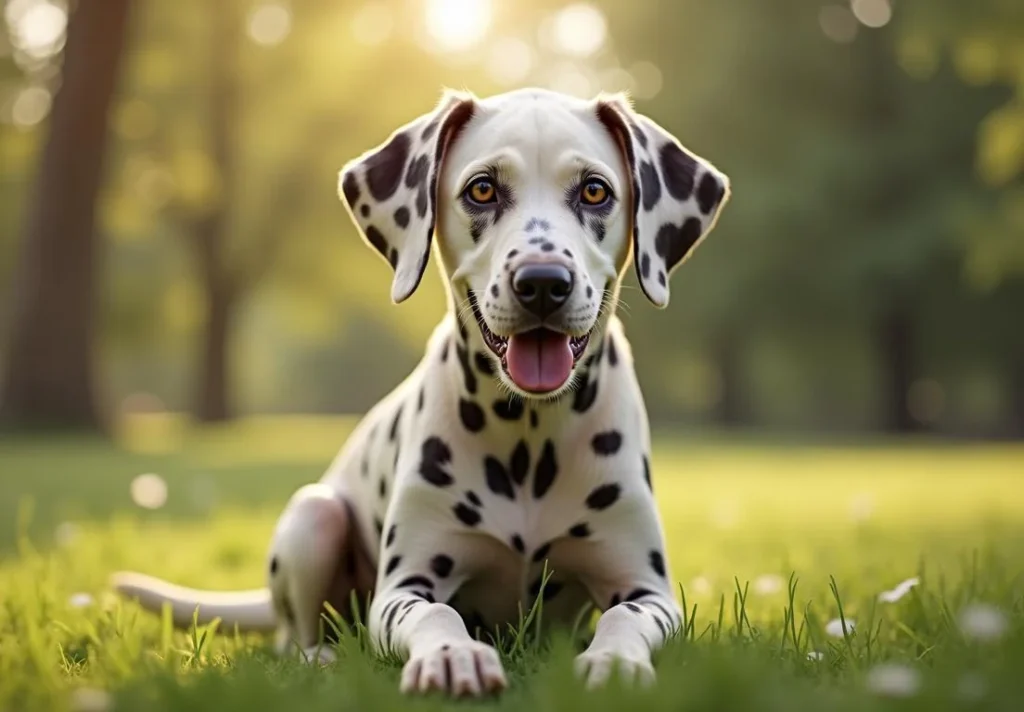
x=463, y=669
x=595, y=668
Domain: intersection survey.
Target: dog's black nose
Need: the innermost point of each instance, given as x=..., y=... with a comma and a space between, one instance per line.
x=542, y=288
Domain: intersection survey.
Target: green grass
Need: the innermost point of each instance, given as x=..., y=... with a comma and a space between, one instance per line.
x=769, y=543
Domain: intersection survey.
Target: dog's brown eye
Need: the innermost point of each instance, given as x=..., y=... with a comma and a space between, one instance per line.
x=482, y=191
x=594, y=192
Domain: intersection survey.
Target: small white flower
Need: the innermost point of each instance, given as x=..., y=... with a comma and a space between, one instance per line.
x=971, y=687
x=90, y=699
x=767, y=584
x=835, y=627
x=901, y=589
x=891, y=680
x=982, y=622
x=815, y=655
x=81, y=600
x=149, y=491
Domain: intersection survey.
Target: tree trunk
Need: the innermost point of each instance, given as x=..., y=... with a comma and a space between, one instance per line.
x=210, y=232
x=730, y=411
x=48, y=380
x=895, y=348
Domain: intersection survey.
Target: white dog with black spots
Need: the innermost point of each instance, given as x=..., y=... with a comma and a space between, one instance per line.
x=521, y=438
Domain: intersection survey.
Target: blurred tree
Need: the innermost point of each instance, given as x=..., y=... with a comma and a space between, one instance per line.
x=48, y=380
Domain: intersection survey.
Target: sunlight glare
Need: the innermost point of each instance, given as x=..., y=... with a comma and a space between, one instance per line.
x=580, y=29
x=838, y=23
x=37, y=26
x=456, y=25
x=30, y=107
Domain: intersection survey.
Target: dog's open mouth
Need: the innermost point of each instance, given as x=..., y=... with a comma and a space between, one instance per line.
x=539, y=360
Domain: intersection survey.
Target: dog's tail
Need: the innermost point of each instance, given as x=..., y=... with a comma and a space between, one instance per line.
x=249, y=611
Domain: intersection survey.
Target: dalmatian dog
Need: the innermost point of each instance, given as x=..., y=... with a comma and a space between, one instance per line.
x=520, y=443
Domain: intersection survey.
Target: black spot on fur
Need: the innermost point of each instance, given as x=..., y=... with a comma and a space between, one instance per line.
x=393, y=563
x=709, y=192
x=547, y=468
x=567, y=253
x=658, y=563
x=382, y=490
x=662, y=280
x=548, y=247
x=616, y=600
x=629, y=605
x=429, y=130
x=421, y=206
x=494, y=291
x=364, y=210
x=402, y=217
x=393, y=432
x=678, y=169
x=650, y=185
x=378, y=525
x=673, y=242
x=419, y=400
x=393, y=257
x=534, y=419
x=590, y=291
x=435, y=453
x=350, y=188
x=638, y=132
x=473, y=498
x=384, y=168
x=645, y=265
x=471, y=415
x=510, y=408
x=638, y=593
x=497, y=477
x=604, y=496
x=416, y=580
x=483, y=363
x=542, y=552
x=512, y=253
x=520, y=462
x=585, y=396
x=444, y=349
x=607, y=443
x=537, y=224
x=536, y=240
x=468, y=377
x=391, y=536
x=417, y=173
x=613, y=354
x=466, y=514
x=377, y=239
x=517, y=543
x=273, y=566
x=647, y=473
x=580, y=531
x=597, y=227
x=442, y=565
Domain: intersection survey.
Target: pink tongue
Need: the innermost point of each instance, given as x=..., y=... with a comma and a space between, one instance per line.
x=539, y=361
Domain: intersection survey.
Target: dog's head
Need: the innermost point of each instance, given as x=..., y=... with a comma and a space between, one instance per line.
x=533, y=196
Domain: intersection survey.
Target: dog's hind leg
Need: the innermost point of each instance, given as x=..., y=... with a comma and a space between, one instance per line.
x=315, y=556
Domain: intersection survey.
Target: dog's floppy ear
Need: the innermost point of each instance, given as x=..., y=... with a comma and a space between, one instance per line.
x=677, y=195
x=391, y=190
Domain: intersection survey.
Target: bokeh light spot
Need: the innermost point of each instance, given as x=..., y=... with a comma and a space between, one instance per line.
x=269, y=24
x=580, y=30
x=372, y=23
x=37, y=26
x=510, y=61
x=456, y=25
x=30, y=107
x=149, y=491
x=872, y=13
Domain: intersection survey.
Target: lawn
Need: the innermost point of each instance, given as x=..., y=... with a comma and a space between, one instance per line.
x=771, y=544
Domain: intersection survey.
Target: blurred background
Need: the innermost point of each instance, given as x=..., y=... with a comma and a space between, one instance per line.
x=171, y=239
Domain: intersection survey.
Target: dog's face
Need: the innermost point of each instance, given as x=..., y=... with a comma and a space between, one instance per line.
x=533, y=196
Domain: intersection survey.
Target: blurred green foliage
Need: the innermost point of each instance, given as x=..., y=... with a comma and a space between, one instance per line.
x=877, y=217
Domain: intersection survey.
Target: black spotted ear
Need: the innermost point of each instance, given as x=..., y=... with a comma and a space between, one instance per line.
x=677, y=195
x=391, y=190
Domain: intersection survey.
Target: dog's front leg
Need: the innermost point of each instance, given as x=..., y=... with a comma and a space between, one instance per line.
x=423, y=563
x=641, y=611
